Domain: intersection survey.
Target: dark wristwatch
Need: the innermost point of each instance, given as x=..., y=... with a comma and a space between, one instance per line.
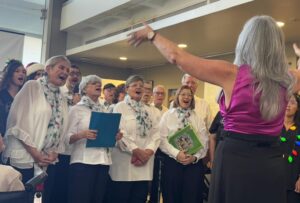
x=151, y=35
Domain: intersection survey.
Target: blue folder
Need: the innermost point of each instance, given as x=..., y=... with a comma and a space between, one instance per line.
x=107, y=125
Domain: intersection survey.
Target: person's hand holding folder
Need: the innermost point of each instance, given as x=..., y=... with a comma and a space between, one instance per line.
x=184, y=158
x=85, y=134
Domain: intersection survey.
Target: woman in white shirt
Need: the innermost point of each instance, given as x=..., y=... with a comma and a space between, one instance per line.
x=132, y=166
x=89, y=166
x=183, y=173
x=36, y=123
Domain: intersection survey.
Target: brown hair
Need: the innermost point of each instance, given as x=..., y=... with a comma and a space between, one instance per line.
x=176, y=99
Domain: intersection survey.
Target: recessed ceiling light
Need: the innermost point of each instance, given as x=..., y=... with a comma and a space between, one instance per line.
x=182, y=45
x=123, y=58
x=280, y=24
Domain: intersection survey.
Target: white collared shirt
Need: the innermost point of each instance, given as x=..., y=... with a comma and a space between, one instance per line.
x=121, y=168
x=202, y=109
x=169, y=124
x=163, y=109
x=80, y=119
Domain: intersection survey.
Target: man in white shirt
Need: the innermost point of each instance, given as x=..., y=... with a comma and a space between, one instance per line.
x=159, y=95
x=201, y=106
x=70, y=89
x=147, y=94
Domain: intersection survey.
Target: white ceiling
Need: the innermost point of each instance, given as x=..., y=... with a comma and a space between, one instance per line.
x=22, y=16
x=209, y=35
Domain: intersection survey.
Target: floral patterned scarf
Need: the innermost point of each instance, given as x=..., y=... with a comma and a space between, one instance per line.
x=93, y=106
x=144, y=123
x=183, y=116
x=55, y=125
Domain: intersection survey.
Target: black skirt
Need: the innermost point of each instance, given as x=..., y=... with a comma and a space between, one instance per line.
x=248, y=169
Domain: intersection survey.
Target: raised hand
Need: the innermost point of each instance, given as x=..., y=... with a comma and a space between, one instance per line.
x=136, y=38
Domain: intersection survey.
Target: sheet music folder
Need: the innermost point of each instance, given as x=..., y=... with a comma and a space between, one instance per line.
x=107, y=125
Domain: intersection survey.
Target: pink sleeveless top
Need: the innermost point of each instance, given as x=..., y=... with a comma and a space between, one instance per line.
x=243, y=114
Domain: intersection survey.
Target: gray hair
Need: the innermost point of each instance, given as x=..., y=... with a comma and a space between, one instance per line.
x=87, y=80
x=185, y=76
x=132, y=79
x=261, y=46
x=159, y=86
x=55, y=59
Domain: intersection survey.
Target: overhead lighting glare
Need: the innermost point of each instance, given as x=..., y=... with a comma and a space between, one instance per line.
x=123, y=58
x=280, y=24
x=182, y=46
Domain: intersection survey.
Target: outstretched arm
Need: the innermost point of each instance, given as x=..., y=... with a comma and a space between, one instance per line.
x=217, y=72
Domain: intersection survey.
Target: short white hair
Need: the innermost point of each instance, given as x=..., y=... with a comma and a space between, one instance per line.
x=56, y=59
x=185, y=76
x=159, y=86
x=87, y=80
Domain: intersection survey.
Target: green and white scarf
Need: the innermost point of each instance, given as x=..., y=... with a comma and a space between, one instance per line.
x=144, y=123
x=55, y=126
x=93, y=106
x=183, y=116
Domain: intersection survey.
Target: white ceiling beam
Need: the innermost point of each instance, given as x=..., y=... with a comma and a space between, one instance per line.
x=182, y=17
x=77, y=11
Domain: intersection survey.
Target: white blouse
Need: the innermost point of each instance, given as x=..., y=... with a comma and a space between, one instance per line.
x=202, y=109
x=121, y=168
x=28, y=121
x=169, y=124
x=80, y=121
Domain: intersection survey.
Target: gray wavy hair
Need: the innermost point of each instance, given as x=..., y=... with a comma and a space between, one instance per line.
x=55, y=59
x=261, y=45
x=87, y=80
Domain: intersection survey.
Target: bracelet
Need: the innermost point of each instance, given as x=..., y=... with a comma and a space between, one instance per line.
x=151, y=40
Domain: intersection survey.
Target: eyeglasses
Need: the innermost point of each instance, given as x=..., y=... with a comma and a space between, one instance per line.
x=186, y=95
x=74, y=74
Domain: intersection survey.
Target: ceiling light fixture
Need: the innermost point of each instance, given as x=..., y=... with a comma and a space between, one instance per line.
x=182, y=46
x=123, y=58
x=280, y=24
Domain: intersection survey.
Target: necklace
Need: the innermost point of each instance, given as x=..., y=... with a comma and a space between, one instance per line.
x=294, y=152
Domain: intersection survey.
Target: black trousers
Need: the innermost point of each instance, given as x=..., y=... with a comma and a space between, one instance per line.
x=293, y=197
x=128, y=192
x=248, y=169
x=87, y=183
x=27, y=174
x=156, y=186
x=59, y=193
x=182, y=183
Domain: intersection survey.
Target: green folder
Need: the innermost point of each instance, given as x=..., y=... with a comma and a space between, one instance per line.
x=186, y=139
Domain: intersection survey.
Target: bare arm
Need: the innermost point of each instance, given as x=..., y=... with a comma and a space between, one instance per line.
x=217, y=72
